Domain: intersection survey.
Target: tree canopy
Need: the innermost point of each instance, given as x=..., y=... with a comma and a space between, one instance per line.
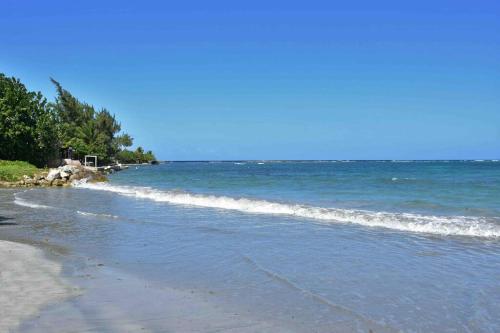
x=28, y=127
x=33, y=130
x=137, y=156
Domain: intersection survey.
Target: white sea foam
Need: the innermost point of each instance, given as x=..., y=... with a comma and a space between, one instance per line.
x=441, y=225
x=26, y=203
x=394, y=179
x=96, y=214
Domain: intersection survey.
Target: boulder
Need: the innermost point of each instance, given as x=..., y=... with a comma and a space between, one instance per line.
x=53, y=174
x=68, y=168
x=65, y=174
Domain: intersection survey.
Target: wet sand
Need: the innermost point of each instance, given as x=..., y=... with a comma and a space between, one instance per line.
x=28, y=281
x=116, y=302
x=35, y=297
x=45, y=287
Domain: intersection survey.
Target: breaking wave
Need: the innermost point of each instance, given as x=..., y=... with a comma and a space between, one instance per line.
x=440, y=225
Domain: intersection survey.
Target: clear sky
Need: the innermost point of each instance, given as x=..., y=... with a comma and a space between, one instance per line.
x=273, y=79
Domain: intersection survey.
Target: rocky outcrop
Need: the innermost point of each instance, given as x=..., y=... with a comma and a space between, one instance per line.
x=61, y=176
x=53, y=174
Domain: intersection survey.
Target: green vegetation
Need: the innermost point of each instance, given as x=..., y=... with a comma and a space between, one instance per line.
x=137, y=156
x=15, y=170
x=36, y=131
x=28, y=130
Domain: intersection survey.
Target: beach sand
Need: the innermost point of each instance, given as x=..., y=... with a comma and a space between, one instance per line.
x=114, y=301
x=72, y=292
x=36, y=292
x=35, y=298
x=28, y=281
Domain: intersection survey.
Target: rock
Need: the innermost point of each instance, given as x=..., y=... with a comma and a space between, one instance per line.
x=98, y=177
x=68, y=168
x=64, y=174
x=68, y=161
x=53, y=174
x=73, y=177
x=57, y=182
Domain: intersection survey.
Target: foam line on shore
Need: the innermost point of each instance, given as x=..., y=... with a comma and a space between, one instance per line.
x=23, y=202
x=440, y=225
x=83, y=213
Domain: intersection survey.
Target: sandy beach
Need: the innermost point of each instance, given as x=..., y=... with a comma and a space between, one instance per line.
x=45, y=288
x=28, y=281
x=35, y=298
x=114, y=301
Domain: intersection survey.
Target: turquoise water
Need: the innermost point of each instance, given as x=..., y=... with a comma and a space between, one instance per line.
x=442, y=197
x=312, y=246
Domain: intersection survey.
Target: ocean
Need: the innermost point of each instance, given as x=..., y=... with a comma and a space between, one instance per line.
x=308, y=246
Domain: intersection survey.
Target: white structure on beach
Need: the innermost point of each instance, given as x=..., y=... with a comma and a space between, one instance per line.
x=87, y=164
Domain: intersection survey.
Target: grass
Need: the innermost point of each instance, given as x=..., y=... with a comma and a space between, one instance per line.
x=15, y=170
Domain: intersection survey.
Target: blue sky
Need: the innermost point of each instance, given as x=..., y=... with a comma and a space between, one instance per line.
x=273, y=79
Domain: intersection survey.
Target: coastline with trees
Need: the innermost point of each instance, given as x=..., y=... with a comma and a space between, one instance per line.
x=42, y=133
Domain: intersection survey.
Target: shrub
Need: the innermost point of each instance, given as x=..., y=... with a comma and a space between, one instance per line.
x=15, y=170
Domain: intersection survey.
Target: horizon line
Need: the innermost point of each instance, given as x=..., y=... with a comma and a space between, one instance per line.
x=341, y=160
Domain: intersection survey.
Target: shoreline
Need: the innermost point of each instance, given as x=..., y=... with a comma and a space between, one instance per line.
x=29, y=281
x=62, y=176
x=150, y=260
x=117, y=299
x=35, y=297
x=45, y=285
